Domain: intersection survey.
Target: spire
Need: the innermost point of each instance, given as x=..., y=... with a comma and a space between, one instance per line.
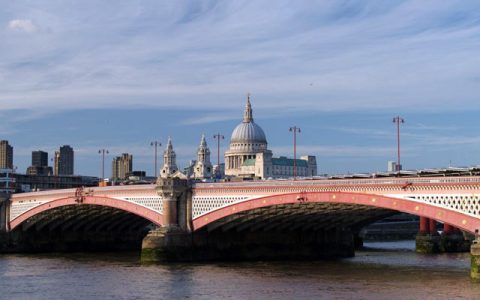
x=247, y=116
x=169, y=144
x=203, y=142
x=169, y=160
x=203, y=167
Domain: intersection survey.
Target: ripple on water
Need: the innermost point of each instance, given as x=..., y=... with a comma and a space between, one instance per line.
x=388, y=272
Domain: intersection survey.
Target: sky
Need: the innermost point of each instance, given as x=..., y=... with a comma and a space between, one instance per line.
x=118, y=75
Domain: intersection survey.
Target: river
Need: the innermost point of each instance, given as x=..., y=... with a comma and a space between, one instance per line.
x=386, y=270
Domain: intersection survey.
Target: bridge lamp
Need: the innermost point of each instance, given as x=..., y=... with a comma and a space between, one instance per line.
x=103, y=152
x=218, y=137
x=398, y=120
x=295, y=130
x=156, y=144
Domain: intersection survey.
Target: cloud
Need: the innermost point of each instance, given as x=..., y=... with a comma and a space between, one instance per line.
x=322, y=57
x=24, y=25
x=210, y=118
x=336, y=151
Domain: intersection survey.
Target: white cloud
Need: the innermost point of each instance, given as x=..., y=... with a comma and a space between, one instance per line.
x=22, y=25
x=320, y=57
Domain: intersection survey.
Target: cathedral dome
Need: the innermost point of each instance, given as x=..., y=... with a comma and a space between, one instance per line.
x=248, y=132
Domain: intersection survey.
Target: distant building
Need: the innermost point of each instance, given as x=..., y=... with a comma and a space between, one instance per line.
x=219, y=171
x=39, y=158
x=64, y=161
x=139, y=177
x=121, y=166
x=249, y=157
x=169, y=161
x=6, y=155
x=39, y=164
x=189, y=169
x=28, y=183
x=40, y=171
x=7, y=181
x=203, y=168
x=393, y=167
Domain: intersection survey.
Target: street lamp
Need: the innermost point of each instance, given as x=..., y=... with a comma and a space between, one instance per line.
x=295, y=129
x=218, y=137
x=398, y=120
x=156, y=144
x=103, y=152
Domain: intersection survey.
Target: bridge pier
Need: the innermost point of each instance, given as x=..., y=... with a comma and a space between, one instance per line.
x=475, y=259
x=452, y=240
x=427, y=239
x=172, y=241
x=4, y=221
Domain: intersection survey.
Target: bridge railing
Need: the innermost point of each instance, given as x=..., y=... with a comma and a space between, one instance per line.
x=328, y=182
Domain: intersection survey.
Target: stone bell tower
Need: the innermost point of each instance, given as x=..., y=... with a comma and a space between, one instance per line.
x=169, y=160
x=203, y=167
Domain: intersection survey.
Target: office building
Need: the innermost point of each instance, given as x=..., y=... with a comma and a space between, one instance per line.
x=122, y=166
x=39, y=164
x=39, y=158
x=64, y=161
x=6, y=155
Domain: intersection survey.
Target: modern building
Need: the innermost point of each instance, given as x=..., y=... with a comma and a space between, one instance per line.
x=203, y=168
x=64, y=161
x=219, y=171
x=39, y=158
x=393, y=166
x=39, y=164
x=121, y=166
x=7, y=181
x=169, y=160
x=249, y=157
x=6, y=155
x=29, y=183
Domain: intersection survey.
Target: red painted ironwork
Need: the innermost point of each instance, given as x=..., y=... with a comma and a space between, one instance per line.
x=424, y=225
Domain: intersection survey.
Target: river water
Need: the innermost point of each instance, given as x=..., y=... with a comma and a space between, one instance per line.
x=383, y=271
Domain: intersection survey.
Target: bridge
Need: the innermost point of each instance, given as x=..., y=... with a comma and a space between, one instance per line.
x=179, y=220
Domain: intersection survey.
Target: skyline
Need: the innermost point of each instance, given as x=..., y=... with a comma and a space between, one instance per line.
x=118, y=75
x=370, y=156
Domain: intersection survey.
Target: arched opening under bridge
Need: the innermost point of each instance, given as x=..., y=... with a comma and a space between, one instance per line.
x=96, y=224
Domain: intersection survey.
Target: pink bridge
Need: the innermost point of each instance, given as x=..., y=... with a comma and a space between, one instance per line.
x=254, y=204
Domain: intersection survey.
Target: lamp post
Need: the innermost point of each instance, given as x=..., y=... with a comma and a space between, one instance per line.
x=295, y=129
x=397, y=120
x=156, y=144
x=103, y=152
x=218, y=137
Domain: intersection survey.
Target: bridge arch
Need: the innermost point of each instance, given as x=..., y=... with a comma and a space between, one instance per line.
x=125, y=206
x=457, y=219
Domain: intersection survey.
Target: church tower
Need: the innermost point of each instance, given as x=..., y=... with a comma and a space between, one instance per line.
x=169, y=160
x=248, y=155
x=203, y=167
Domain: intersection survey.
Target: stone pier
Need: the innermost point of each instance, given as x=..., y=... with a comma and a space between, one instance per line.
x=427, y=239
x=475, y=259
x=452, y=240
x=4, y=213
x=173, y=241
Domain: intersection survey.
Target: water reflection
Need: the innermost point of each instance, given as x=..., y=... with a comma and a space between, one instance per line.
x=382, y=271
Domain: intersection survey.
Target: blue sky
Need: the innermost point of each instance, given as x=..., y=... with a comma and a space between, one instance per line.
x=119, y=74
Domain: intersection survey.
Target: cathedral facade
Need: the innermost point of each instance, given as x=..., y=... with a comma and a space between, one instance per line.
x=249, y=157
